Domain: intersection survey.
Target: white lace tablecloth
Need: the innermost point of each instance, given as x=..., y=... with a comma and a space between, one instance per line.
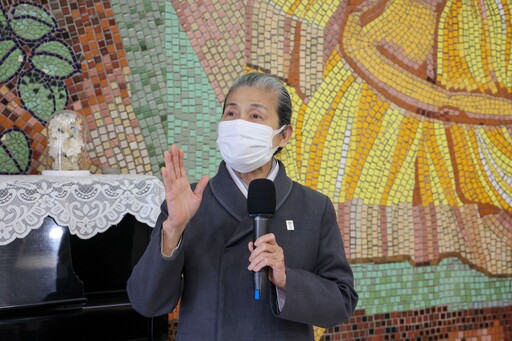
x=86, y=205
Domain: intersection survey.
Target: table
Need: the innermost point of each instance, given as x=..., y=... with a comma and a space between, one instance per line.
x=86, y=205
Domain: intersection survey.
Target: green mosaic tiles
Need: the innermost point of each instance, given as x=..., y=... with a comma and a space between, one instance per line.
x=194, y=110
x=393, y=287
x=143, y=33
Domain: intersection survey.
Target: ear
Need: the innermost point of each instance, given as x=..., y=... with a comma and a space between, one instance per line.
x=286, y=135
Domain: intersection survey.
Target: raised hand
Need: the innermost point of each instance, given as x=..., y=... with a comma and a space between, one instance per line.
x=182, y=202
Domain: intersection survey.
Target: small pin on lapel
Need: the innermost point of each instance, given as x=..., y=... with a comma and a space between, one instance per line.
x=289, y=225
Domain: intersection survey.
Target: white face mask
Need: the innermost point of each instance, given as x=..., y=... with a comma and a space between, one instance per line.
x=246, y=146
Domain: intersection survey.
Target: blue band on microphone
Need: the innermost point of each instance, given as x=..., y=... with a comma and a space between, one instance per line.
x=256, y=294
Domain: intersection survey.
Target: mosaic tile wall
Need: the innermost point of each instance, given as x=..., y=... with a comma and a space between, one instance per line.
x=67, y=55
x=403, y=116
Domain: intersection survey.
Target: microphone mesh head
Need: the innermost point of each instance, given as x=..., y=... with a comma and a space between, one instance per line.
x=261, y=197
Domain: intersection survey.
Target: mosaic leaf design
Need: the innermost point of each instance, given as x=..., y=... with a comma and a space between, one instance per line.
x=31, y=22
x=40, y=95
x=3, y=21
x=11, y=59
x=14, y=152
x=55, y=59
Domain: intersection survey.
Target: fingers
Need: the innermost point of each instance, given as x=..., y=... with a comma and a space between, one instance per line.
x=265, y=252
x=174, y=164
x=266, y=238
x=174, y=172
x=169, y=171
x=177, y=161
x=181, y=163
x=166, y=176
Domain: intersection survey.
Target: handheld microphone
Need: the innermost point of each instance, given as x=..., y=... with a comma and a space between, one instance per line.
x=261, y=204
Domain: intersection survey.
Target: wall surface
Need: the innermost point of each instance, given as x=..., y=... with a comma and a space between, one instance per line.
x=402, y=116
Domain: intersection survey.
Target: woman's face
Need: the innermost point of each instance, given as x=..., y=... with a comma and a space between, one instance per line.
x=256, y=105
x=252, y=104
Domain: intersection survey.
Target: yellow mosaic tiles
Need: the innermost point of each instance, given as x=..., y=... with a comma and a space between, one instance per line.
x=409, y=131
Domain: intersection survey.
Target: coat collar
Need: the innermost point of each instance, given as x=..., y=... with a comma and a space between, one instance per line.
x=229, y=196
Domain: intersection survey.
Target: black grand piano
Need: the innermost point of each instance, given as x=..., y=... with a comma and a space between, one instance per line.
x=56, y=286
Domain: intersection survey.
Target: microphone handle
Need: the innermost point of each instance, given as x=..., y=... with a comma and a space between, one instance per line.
x=260, y=278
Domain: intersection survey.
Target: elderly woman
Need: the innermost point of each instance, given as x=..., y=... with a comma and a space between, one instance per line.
x=201, y=249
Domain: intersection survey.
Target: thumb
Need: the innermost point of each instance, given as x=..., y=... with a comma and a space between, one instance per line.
x=201, y=185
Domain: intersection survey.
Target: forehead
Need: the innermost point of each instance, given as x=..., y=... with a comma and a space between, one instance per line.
x=247, y=95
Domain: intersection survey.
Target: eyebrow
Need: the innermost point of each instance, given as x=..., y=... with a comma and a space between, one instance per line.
x=254, y=105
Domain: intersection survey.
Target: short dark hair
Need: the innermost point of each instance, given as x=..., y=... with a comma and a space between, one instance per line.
x=271, y=82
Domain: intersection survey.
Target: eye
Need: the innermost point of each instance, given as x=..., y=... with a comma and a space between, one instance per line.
x=229, y=113
x=255, y=116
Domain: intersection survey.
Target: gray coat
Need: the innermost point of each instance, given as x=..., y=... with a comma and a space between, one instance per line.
x=209, y=270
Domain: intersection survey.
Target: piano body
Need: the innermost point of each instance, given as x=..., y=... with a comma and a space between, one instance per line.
x=56, y=286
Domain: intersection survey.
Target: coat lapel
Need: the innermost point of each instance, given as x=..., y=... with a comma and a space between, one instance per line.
x=283, y=186
x=233, y=201
x=227, y=194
